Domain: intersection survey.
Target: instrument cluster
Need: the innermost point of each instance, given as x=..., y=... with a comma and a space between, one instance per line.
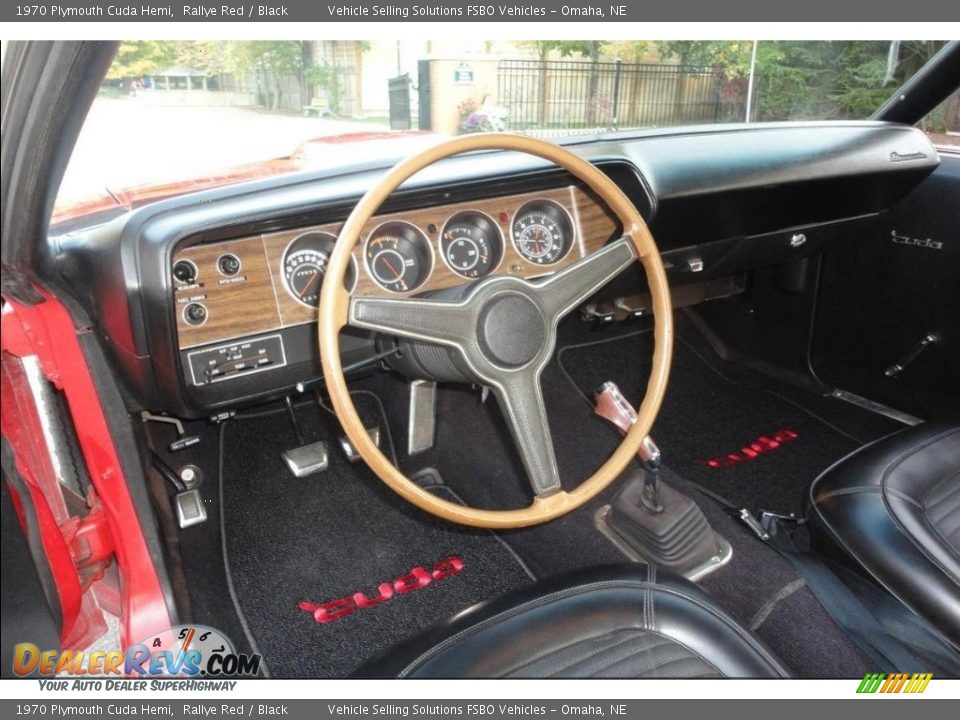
x=264, y=282
x=400, y=257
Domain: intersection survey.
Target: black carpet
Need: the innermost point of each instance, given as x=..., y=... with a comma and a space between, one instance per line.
x=330, y=535
x=763, y=590
x=485, y=472
x=325, y=537
x=707, y=416
x=476, y=456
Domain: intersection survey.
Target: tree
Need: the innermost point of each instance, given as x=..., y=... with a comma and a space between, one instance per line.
x=629, y=51
x=590, y=49
x=733, y=56
x=810, y=79
x=328, y=77
x=138, y=58
x=269, y=59
x=206, y=55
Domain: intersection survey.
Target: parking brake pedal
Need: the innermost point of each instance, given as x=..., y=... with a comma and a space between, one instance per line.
x=190, y=509
x=307, y=458
x=648, y=520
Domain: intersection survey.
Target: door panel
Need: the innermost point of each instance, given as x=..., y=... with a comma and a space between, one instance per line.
x=883, y=293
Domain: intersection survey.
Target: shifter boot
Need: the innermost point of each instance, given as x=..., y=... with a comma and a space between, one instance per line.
x=677, y=538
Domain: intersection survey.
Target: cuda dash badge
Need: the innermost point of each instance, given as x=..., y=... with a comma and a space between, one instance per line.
x=916, y=242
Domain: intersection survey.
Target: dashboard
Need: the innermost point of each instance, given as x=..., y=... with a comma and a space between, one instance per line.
x=269, y=281
x=207, y=302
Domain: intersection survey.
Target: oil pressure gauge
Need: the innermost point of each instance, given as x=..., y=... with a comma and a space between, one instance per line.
x=471, y=244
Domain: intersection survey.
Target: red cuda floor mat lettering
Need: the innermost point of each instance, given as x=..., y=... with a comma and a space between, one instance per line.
x=758, y=447
x=417, y=579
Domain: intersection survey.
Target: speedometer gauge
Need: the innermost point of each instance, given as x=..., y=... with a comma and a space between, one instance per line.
x=542, y=232
x=305, y=263
x=471, y=244
x=398, y=256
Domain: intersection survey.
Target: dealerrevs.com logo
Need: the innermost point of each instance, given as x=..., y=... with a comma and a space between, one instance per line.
x=184, y=651
x=909, y=683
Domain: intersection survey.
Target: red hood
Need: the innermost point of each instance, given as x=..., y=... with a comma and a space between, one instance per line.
x=322, y=152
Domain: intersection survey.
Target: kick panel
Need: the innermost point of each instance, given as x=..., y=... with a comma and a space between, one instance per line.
x=888, y=319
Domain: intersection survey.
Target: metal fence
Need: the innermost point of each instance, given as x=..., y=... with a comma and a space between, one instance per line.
x=571, y=95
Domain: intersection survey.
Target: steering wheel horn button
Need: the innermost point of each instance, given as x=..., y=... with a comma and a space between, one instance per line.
x=511, y=329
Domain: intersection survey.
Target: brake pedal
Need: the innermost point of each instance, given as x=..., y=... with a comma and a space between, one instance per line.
x=307, y=459
x=350, y=451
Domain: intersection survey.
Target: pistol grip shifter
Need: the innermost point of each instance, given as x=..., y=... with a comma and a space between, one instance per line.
x=649, y=520
x=612, y=406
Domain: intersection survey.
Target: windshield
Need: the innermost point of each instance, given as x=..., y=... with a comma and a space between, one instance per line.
x=181, y=115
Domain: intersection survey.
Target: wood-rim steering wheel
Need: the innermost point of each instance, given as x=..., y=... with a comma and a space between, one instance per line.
x=470, y=326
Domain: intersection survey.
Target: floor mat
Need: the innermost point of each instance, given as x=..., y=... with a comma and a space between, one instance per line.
x=476, y=455
x=751, y=586
x=330, y=535
x=752, y=446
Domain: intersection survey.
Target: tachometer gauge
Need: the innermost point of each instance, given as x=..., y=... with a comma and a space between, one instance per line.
x=542, y=232
x=305, y=263
x=398, y=256
x=471, y=244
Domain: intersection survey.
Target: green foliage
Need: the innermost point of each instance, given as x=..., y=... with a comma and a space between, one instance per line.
x=282, y=57
x=629, y=51
x=276, y=57
x=142, y=57
x=566, y=48
x=145, y=57
x=808, y=79
x=328, y=77
x=731, y=55
x=206, y=55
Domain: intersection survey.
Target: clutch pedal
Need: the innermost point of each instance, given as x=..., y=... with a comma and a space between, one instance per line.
x=307, y=458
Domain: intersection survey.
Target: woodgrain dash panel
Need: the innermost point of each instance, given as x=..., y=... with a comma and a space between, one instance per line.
x=262, y=303
x=236, y=307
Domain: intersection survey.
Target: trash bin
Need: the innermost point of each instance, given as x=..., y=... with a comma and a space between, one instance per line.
x=399, y=91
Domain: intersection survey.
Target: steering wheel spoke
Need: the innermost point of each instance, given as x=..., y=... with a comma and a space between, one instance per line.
x=436, y=321
x=521, y=401
x=562, y=292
